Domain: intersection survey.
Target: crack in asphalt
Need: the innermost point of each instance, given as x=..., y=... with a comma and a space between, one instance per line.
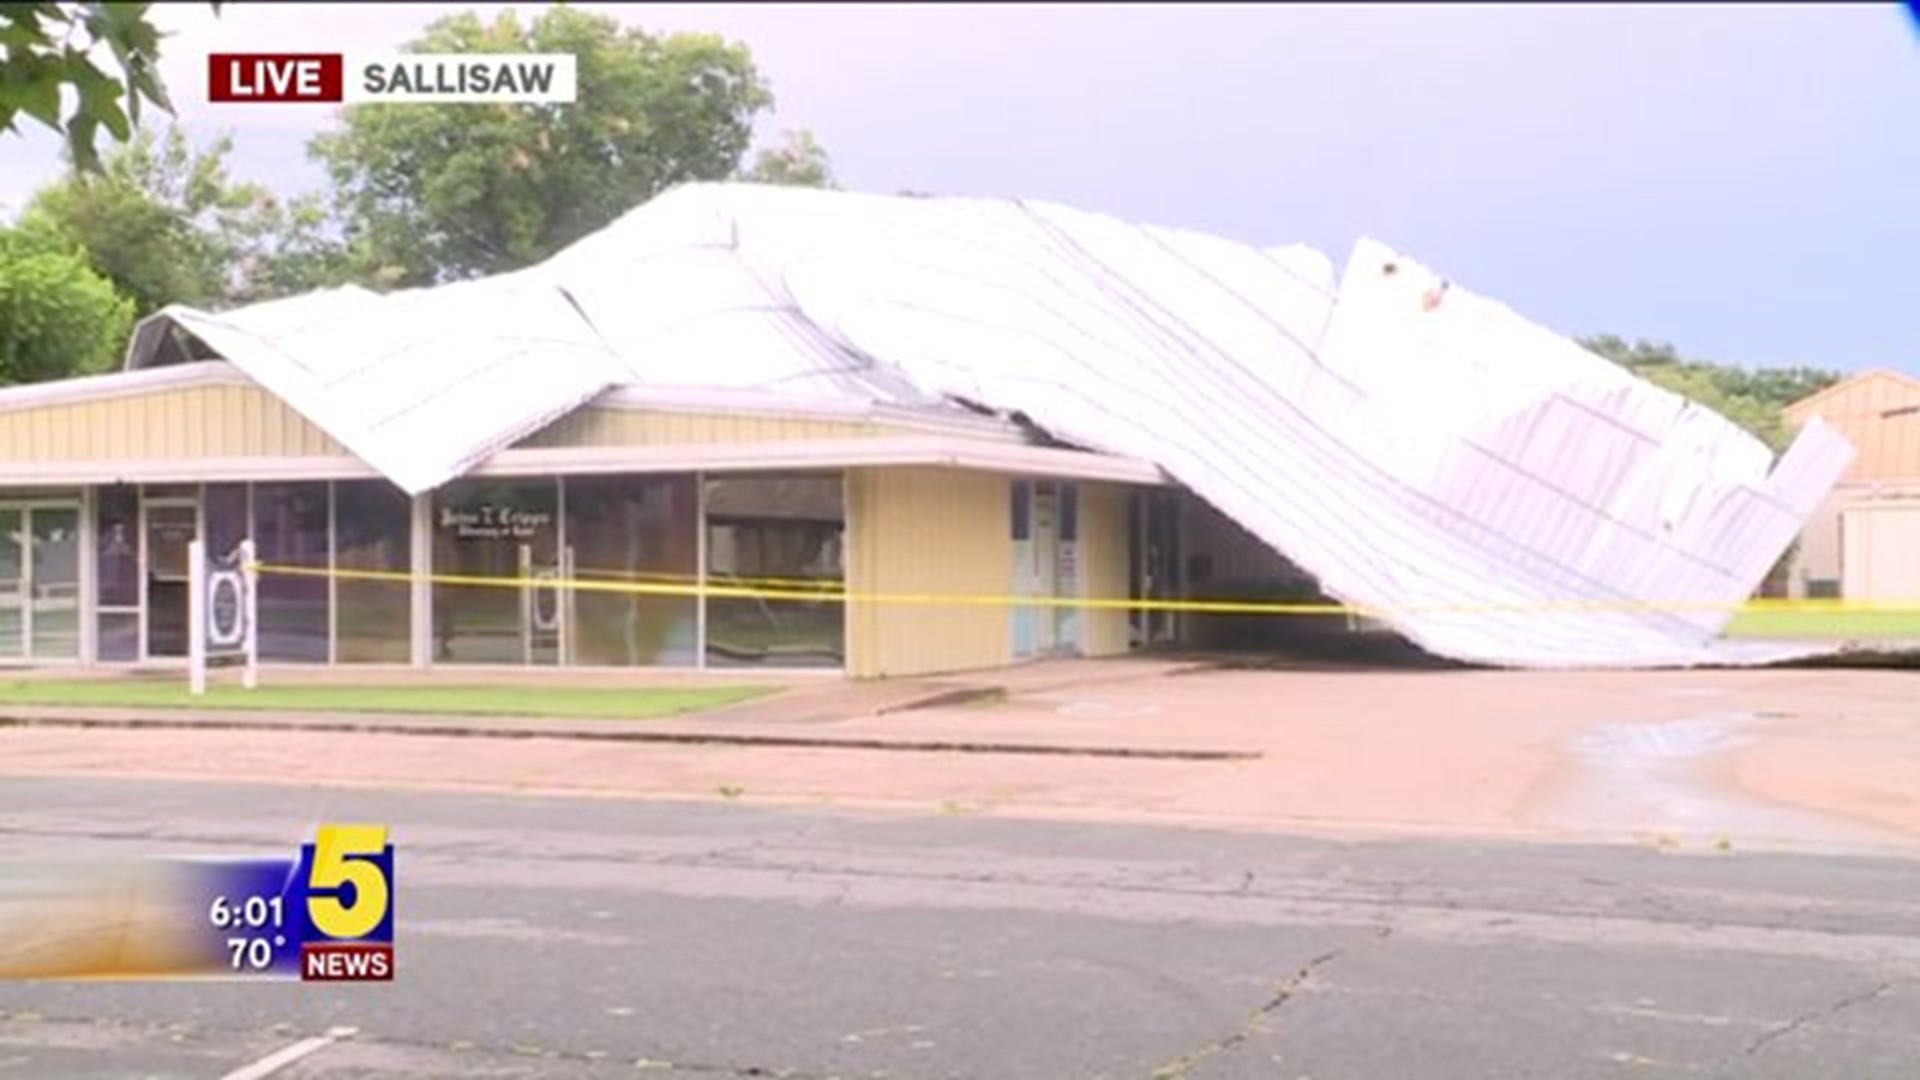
x=1283, y=992
x=764, y=855
x=1781, y=1031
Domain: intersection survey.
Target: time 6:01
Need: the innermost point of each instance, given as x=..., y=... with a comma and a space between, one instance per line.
x=255, y=912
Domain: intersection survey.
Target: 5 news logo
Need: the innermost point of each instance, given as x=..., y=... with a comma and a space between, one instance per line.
x=325, y=916
x=348, y=874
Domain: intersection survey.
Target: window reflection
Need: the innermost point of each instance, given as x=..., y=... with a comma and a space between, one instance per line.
x=56, y=583
x=226, y=510
x=641, y=530
x=783, y=531
x=117, y=549
x=374, y=521
x=116, y=546
x=779, y=532
x=13, y=573
x=495, y=529
x=290, y=529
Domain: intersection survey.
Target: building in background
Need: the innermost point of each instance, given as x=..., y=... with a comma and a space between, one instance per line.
x=1863, y=543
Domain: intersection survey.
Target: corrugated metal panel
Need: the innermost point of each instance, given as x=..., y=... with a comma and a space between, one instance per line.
x=1859, y=407
x=422, y=385
x=1494, y=491
x=188, y=422
x=927, y=531
x=1104, y=555
x=1403, y=460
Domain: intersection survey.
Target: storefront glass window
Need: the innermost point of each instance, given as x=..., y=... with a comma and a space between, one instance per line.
x=373, y=523
x=290, y=530
x=783, y=531
x=640, y=530
x=55, y=601
x=117, y=550
x=496, y=529
x=116, y=540
x=226, y=509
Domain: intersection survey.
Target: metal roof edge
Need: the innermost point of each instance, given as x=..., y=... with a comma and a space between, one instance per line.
x=113, y=384
x=771, y=403
x=682, y=457
x=98, y=471
x=818, y=453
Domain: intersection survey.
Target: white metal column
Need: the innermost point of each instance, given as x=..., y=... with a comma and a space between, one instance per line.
x=846, y=570
x=333, y=582
x=563, y=570
x=420, y=584
x=700, y=569
x=89, y=615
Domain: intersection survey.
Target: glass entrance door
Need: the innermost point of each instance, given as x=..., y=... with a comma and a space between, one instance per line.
x=40, y=582
x=171, y=526
x=497, y=531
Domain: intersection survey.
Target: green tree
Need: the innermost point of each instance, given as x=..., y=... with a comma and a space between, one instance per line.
x=798, y=161
x=51, y=47
x=435, y=192
x=1753, y=398
x=290, y=249
x=167, y=224
x=57, y=316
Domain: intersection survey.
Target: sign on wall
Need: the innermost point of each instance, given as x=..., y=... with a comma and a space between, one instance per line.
x=490, y=521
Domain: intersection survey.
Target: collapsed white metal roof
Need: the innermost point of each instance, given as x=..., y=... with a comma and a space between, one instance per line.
x=1494, y=491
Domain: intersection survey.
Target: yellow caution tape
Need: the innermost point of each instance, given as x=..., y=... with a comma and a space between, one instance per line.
x=839, y=594
x=662, y=575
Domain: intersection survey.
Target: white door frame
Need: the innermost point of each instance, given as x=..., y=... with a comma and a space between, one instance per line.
x=162, y=502
x=25, y=508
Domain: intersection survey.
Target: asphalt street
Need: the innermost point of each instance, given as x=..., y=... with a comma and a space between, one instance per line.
x=544, y=937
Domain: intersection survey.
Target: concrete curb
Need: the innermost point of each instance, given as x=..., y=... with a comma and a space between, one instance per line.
x=963, y=695
x=387, y=724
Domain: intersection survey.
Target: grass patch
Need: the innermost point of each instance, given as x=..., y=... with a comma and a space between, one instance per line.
x=1814, y=624
x=599, y=702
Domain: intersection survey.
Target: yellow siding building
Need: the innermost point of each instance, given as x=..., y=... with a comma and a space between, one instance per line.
x=619, y=535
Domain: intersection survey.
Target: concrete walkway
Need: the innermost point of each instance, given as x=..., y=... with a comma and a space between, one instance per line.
x=1700, y=760
x=815, y=713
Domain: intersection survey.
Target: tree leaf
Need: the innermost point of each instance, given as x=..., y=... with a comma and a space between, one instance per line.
x=452, y=191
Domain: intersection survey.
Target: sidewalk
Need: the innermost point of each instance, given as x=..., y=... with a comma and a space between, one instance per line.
x=1704, y=761
x=825, y=714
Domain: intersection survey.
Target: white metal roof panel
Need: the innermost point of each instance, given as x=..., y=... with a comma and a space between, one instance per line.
x=1495, y=492
x=422, y=385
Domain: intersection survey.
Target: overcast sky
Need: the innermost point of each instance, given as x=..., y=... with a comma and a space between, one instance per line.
x=1741, y=180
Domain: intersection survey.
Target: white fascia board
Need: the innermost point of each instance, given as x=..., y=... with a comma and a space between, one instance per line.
x=766, y=403
x=707, y=457
x=824, y=453
x=86, y=388
x=181, y=470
